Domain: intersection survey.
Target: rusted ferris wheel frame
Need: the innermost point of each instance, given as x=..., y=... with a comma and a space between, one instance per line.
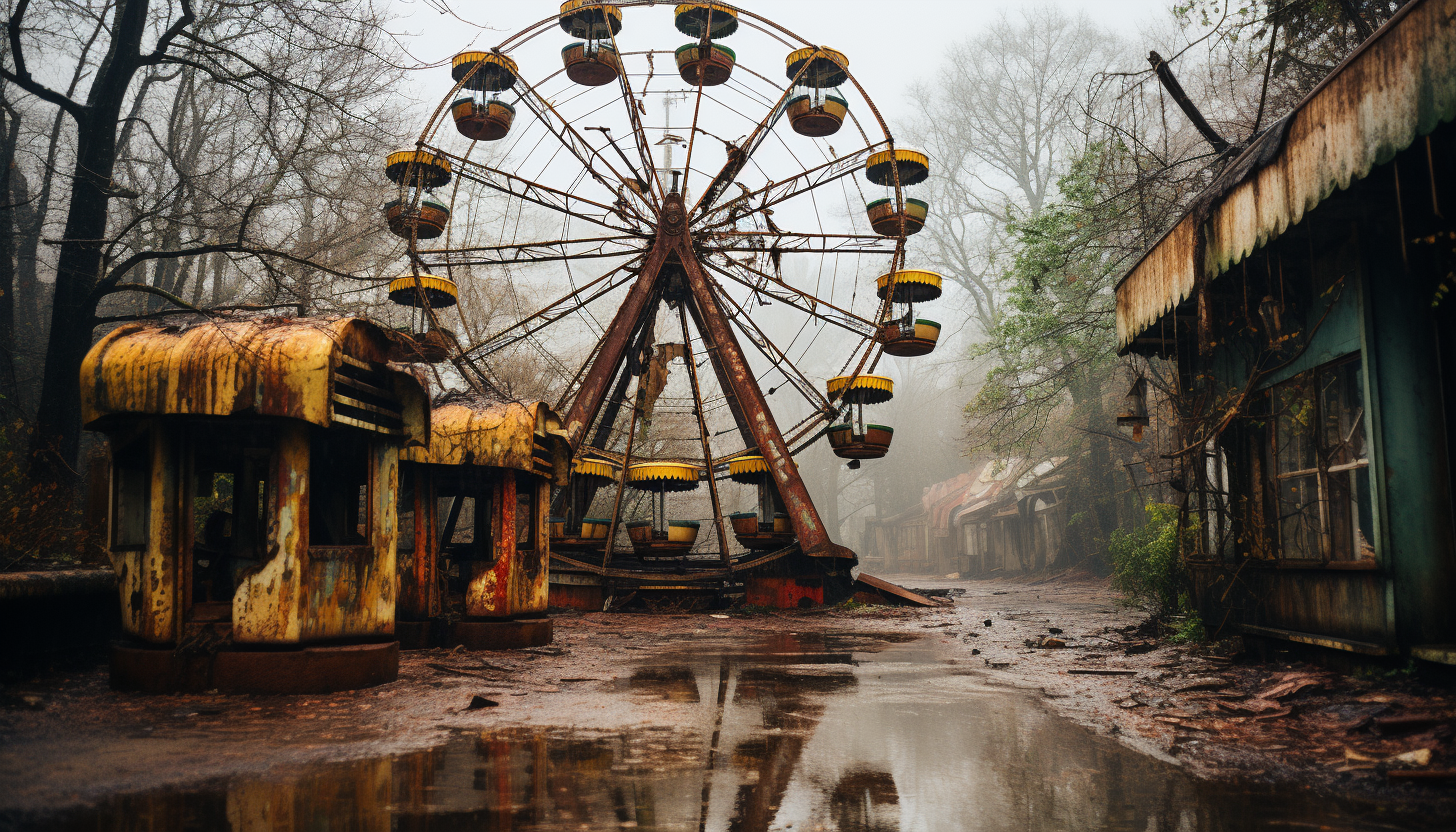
x=674, y=237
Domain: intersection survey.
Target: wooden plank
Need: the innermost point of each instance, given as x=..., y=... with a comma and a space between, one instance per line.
x=898, y=591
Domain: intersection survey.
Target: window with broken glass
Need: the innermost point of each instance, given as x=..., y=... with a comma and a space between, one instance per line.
x=1321, y=466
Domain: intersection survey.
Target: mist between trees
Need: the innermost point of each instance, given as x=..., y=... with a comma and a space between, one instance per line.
x=158, y=157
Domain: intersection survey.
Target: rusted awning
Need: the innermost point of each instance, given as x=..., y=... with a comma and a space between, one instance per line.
x=1398, y=86
x=323, y=371
x=523, y=437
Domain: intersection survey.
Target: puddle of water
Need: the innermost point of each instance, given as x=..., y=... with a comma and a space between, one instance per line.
x=799, y=733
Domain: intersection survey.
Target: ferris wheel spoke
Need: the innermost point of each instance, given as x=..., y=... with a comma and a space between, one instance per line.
x=777, y=357
x=789, y=242
x=776, y=192
x=553, y=312
x=634, y=117
x=738, y=157
x=542, y=195
x=561, y=128
x=769, y=286
x=543, y=252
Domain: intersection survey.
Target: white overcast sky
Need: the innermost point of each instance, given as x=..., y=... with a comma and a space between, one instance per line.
x=888, y=51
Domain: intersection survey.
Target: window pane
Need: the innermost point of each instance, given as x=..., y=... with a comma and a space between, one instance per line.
x=1294, y=436
x=1343, y=414
x=1299, y=517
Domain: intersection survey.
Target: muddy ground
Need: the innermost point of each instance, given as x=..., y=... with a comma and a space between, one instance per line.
x=67, y=740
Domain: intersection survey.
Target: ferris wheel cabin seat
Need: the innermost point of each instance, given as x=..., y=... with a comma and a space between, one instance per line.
x=714, y=64
x=769, y=527
x=815, y=113
x=482, y=121
x=412, y=215
x=591, y=63
x=251, y=507
x=579, y=533
x=661, y=538
x=909, y=339
x=473, y=525
x=889, y=222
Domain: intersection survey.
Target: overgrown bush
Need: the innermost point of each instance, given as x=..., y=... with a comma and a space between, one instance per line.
x=1147, y=567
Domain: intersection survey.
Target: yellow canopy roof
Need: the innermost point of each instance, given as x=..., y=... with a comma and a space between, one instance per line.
x=589, y=467
x=676, y=476
x=524, y=437
x=866, y=389
x=911, y=285
x=323, y=371
x=432, y=168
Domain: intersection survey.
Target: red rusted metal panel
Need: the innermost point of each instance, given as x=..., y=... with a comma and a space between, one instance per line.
x=784, y=593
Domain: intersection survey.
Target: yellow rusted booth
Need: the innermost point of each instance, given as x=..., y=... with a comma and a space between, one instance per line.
x=474, y=544
x=252, y=522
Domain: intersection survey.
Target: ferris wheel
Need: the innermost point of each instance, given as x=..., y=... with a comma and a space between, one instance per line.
x=545, y=182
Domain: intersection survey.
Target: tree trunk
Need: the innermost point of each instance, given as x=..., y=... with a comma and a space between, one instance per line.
x=57, y=439
x=9, y=226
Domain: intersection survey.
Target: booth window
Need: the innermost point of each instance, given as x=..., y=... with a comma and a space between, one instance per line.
x=1322, y=468
x=228, y=516
x=525, y=513
x=130, y=494
x=465, y=515
x=338, y=489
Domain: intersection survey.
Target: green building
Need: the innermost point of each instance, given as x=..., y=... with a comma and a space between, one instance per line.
x=1304, y=301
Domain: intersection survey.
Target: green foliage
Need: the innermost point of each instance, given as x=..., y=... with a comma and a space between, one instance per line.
x=1055, y=342
x=1148, y=568
x=1188, y=630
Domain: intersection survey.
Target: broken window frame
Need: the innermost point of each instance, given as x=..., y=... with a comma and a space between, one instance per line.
x=1318, y=383
x=364, y=447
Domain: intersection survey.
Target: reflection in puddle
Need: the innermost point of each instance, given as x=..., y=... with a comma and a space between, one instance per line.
x=822, y=733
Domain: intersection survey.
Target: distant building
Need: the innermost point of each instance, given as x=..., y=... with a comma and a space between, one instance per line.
x=1305, y=301
x=1005, y=516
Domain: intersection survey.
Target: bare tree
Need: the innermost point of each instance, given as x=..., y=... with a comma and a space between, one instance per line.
x=204, y=141
x=1000, y=123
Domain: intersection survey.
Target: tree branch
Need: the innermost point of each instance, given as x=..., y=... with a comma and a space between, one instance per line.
x=21, y=76
x=172, y=33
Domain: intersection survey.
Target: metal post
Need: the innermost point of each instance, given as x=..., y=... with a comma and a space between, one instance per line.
x=703, y=433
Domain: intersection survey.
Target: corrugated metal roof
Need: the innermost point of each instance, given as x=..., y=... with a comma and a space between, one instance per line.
x=497, y=435
x=1399, y=85
x=261, y=366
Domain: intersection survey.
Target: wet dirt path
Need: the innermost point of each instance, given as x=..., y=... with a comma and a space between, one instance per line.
x=852, y=719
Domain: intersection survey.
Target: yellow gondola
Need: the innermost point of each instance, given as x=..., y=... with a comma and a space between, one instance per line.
x=590, y=19
x=439, y=292
x=861, y=389
x=659, y=538
x=491, y=72
x=821, y=67
x=914, y=167
x=714, y=64
x=816, y=113
x=888, y=222
x=417, y=168
x=909, y=338
x=693, y=18
x=591, y=63
x=423, y=222
x=482, y=121
x=911, y=285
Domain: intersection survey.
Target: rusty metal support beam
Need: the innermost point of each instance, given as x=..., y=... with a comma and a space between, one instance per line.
x=588, y=401
x=808, y=527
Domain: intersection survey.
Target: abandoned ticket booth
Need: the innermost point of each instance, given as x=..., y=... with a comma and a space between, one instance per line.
x=474, y=544
x=252, y=524
x=1306, y=301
